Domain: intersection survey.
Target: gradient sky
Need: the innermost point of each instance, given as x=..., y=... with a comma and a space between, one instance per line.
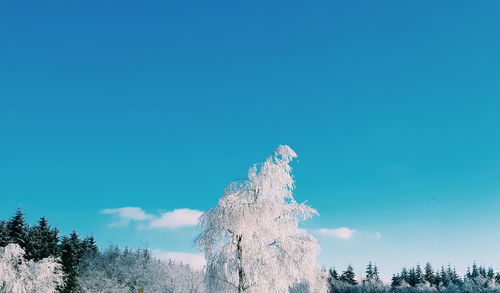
x=392, y=106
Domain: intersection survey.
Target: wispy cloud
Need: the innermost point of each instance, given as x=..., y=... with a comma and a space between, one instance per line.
x=195, y=260
x=171, y=219
x=341, y=233
x=177, y=218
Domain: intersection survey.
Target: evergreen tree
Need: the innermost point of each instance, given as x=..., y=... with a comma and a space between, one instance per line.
x=437, y=279
x=412, y=278
x=445, y=277
x=348, y=276
x=17, y=230
x=419, y=276
x=71, y=253
x=490, y=274
x=372, y=276
x=453, y=277
x=396, y=281
x=429, y=274
x=369, y=273
x=333, y=275
x=475, y=271
x=332, y=280
x=4, y=235
x=405, y=275
x=43, y=241
x=89, y=246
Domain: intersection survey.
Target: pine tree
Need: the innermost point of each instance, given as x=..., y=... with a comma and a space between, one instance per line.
x=453, y=277
x=17, y=229
x=4, y=235
x=71, y=253
x=446, y=277
x=437, y=279
x=333, y=275
x=475, y=271
x=490, y=274
x=429, y=274
x=44, y=240
x=419, y=277
x=372, y=277
x=405, y=275
x=332, y=280
x=348, y=276
x=369, y=273
x=89, y=246
x=412, y=278
x=376, y=276
x=396, y=281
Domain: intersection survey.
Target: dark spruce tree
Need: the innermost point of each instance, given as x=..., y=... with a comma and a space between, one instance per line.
x=368, y=273
x=17, y=230
x=348, y=276
x=429, y=275
x=444, y=278
x=405, y=276
x=44, y=240
x=453, y=277
x=71, y=253
x=332, y=280
x=89, y=246
x=396, y=281
x=4, y=235
x=376, y=276
x=419, y=276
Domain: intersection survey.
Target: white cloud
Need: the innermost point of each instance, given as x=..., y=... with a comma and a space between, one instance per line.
x=342, y=233
x=126, y=214
x=177, y=218
x=378, y=235
x=172, y=219
x=195, y=260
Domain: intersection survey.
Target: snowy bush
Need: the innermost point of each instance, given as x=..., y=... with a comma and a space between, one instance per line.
x=18, y=275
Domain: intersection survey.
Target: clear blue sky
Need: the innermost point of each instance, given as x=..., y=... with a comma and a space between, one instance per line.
x=392, y=106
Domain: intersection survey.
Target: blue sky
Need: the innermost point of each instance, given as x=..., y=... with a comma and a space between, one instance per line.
x=392, y=106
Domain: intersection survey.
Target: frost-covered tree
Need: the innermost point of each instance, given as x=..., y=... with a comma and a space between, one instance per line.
x=251, y=239
x=116, y=271
x=372, y=282
x=4, y=235
x=18, y=275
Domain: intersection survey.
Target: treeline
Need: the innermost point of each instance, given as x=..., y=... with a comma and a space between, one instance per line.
x=41, y=241
x=85, y=269
x=416, y=279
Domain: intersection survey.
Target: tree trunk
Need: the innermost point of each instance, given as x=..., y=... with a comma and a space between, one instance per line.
x=241, y=272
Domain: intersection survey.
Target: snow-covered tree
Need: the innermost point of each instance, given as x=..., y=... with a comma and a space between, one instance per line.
x=251, y=239
x=116, y=271
x=18, y=275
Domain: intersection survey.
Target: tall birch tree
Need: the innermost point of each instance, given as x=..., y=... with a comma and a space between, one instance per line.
x=252, y=240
